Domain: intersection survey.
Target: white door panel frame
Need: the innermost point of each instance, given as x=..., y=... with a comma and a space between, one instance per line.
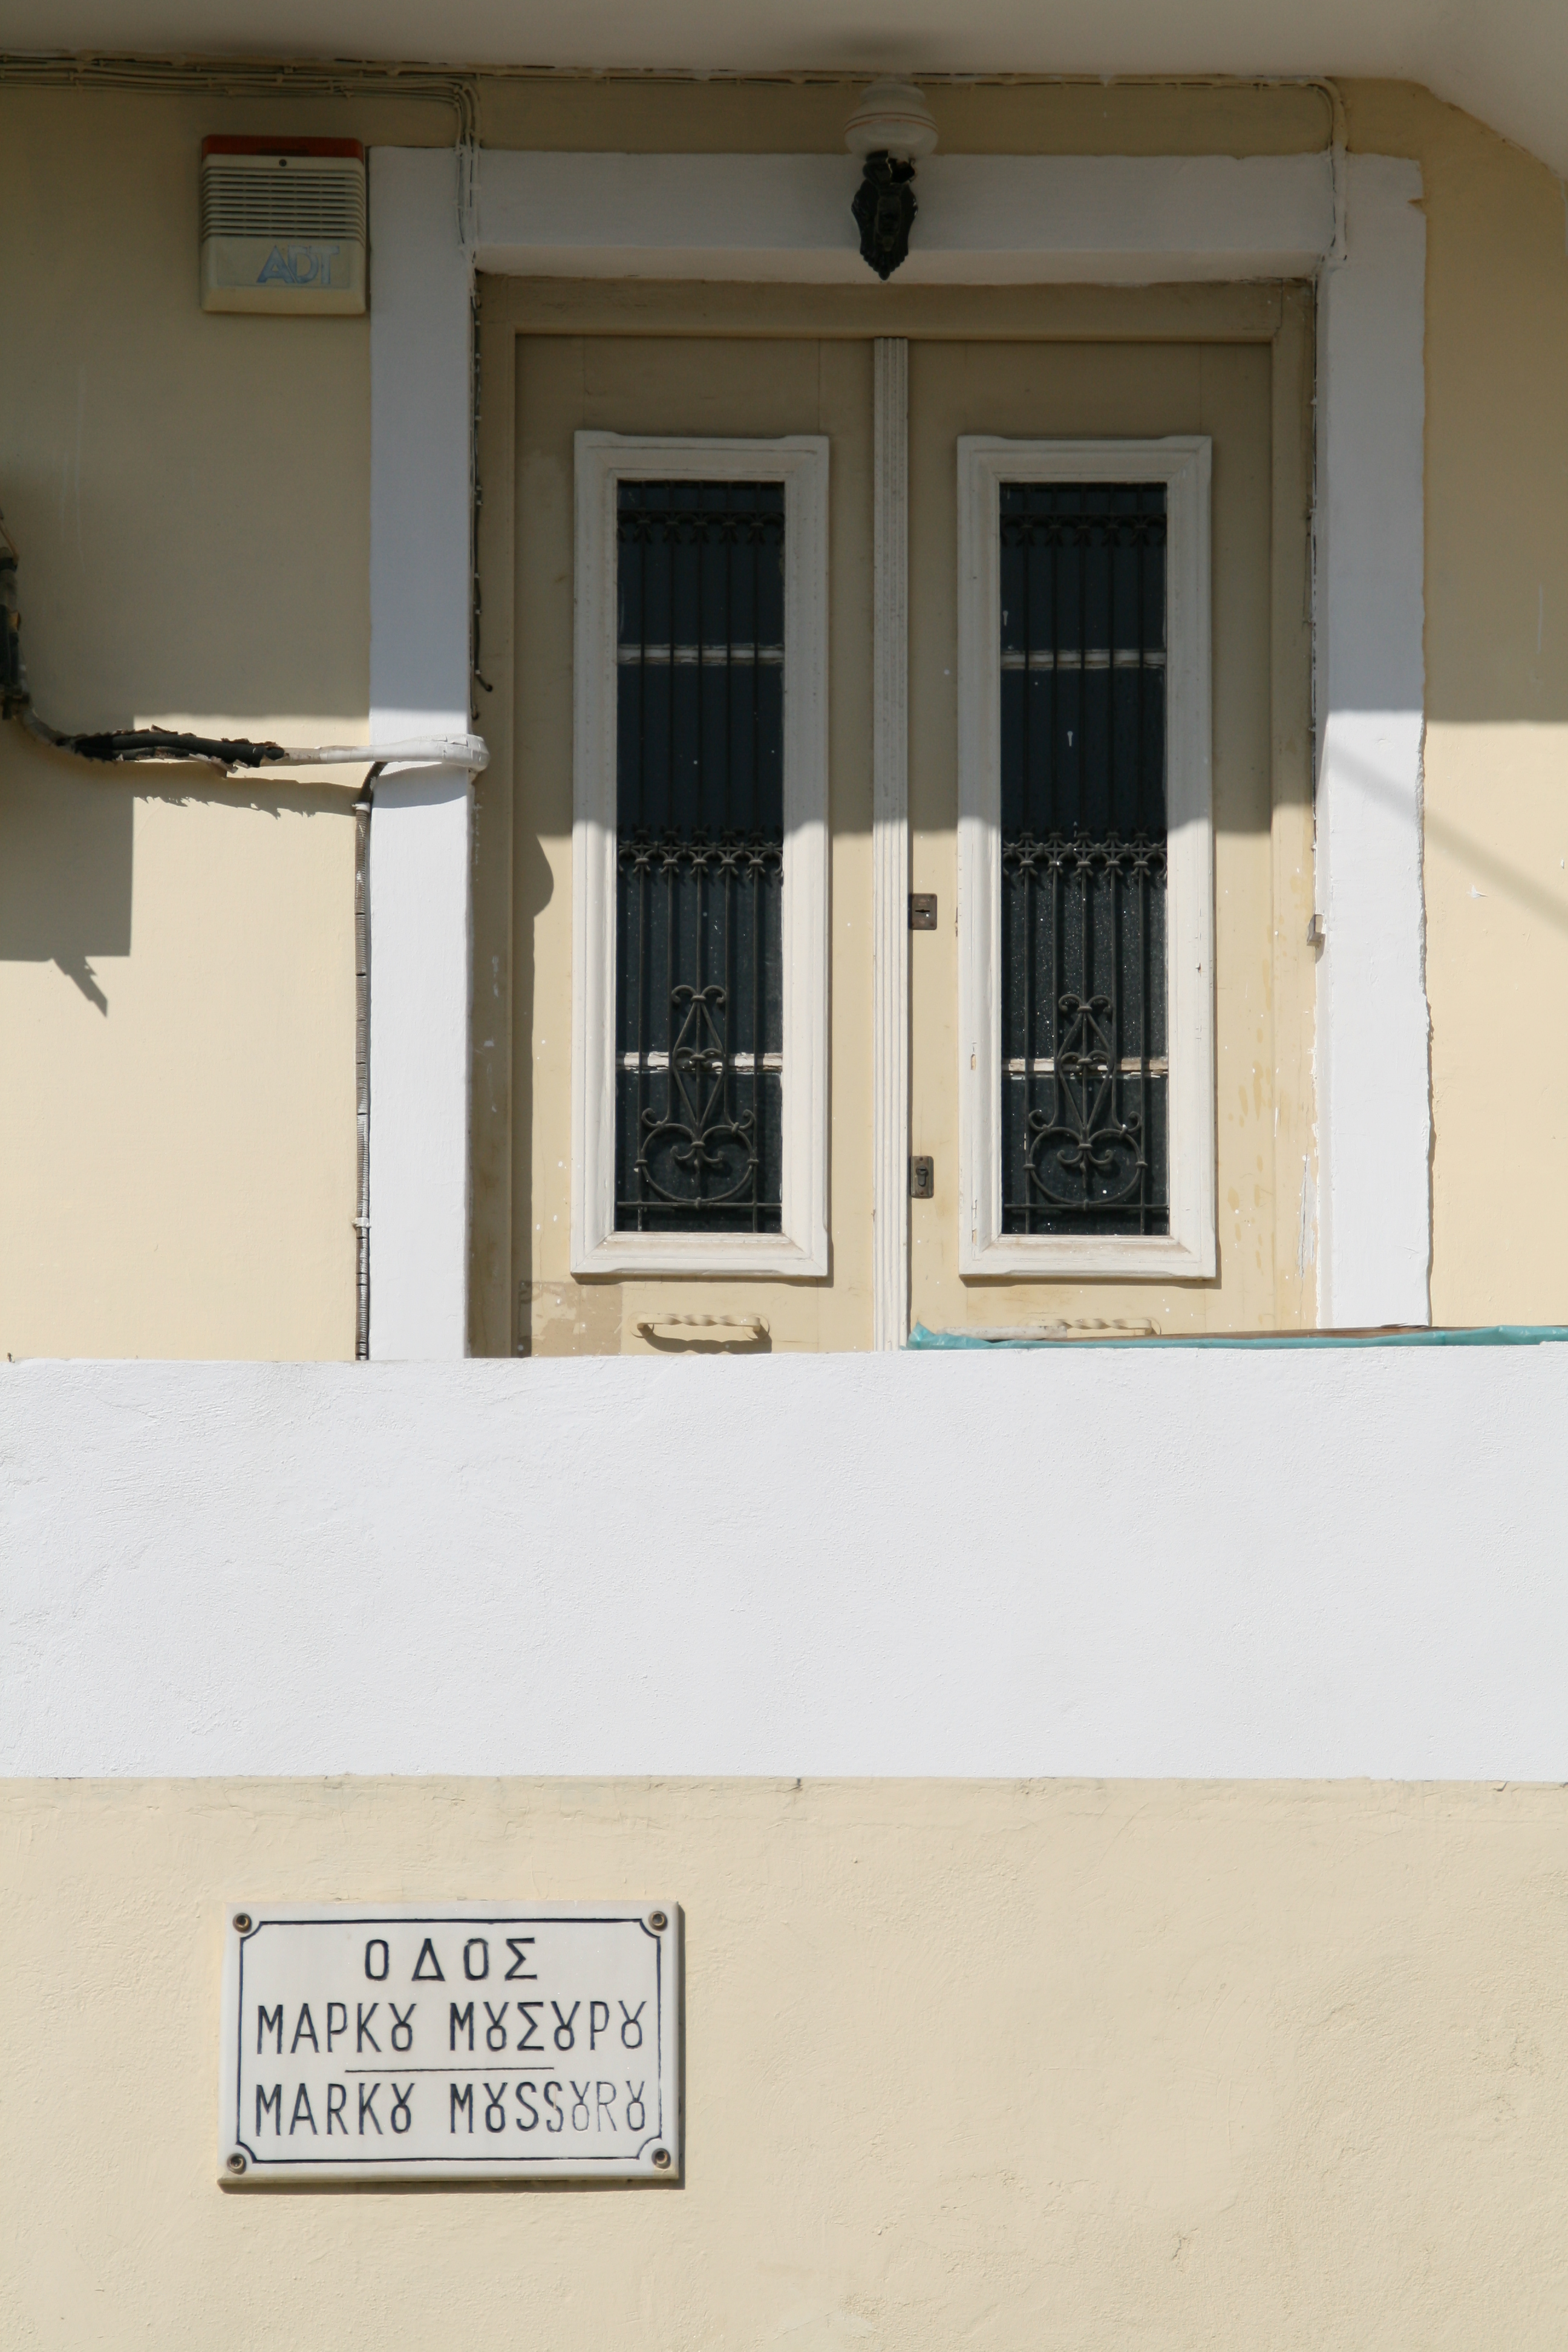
x=891, y=845
x=800, y=462
x=983, y=220
x=1182, y=464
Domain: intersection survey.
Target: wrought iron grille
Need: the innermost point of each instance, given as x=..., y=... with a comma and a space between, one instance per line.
x=1085, y=1066
x=699, y=887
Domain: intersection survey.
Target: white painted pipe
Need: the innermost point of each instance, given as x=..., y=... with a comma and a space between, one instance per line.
x=421, y=751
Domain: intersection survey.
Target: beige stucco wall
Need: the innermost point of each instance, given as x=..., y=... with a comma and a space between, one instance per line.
x=1011, y=2065
x=191, y=499
x=1496, y=687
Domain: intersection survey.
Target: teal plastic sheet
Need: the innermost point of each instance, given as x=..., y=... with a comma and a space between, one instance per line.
x=1494, y=1335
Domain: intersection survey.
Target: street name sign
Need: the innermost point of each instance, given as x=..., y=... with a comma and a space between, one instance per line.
x=457, y=2041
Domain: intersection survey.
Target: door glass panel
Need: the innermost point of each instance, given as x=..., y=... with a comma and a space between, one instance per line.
x=699, y=893
x=1084, y=1051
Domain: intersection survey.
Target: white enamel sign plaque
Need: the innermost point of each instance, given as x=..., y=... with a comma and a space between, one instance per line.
x=367, y=2041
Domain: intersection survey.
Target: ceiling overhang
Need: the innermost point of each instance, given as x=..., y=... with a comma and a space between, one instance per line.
x=1506, y=61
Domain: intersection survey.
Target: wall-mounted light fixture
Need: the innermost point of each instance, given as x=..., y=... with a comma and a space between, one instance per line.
x=892, y=128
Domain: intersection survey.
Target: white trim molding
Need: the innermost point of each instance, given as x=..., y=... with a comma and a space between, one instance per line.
x=1374, y=1118
x=890, y=844
x=986, y=220
x=1182, y=465
x=800, y=463
x=420, y=974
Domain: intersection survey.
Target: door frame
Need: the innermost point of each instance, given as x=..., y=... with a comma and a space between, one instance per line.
x=1088, y=221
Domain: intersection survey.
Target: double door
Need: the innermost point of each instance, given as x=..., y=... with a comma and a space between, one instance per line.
x=889, y=891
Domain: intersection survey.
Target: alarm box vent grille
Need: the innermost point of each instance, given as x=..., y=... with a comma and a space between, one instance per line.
x=283, y=225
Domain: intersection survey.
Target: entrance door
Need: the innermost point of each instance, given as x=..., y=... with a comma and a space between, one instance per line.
x=693, y=796
x=1092, y=801
x=1108, y=1015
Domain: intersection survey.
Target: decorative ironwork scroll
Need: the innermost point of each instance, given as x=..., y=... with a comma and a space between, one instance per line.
x=699, y=891
x=1085, y=1063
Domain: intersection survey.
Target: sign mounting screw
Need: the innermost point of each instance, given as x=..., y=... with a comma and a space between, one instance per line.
x=661, y=2158
x=237, y=2163
x=242, y=1923
x=659, y=1923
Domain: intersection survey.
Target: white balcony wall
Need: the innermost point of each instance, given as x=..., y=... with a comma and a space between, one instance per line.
x=1308, y=1561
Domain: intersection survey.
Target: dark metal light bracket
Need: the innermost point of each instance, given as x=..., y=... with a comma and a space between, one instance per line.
x=884, y=210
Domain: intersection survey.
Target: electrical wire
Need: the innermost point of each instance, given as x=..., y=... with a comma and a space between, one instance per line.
x=251, y=77
x=230, y=755
x=460, y=88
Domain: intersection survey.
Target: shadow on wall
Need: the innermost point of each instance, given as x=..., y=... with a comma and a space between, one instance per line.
x=1505, y=876
x=1497, y=518
x=188, y=494
x=65, y=862
x=67, y=848
x=1509, y=879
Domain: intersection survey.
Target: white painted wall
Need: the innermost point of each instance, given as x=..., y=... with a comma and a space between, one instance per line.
x=1373, y=1095
x=880, y=1564
x=419, y=883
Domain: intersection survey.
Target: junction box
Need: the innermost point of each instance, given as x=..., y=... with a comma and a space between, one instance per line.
x=283, y=225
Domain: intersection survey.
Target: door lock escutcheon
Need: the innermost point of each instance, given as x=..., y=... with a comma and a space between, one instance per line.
x=923, y=910
x=922, y=1178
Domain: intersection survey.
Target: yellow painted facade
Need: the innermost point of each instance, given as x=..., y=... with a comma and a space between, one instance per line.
x=1016, y=2063
x=1497, y=705
x=191, y=497
x=1033, y=2064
